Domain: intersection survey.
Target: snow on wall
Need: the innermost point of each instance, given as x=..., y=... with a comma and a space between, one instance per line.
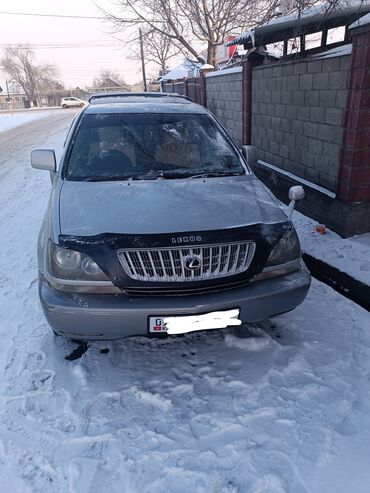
x=226, y=71
x=333, y=52
x=361, y=22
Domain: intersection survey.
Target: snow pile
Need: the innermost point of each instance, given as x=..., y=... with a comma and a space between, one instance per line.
x=350, y=255
x=280, y=407
x=9, y=121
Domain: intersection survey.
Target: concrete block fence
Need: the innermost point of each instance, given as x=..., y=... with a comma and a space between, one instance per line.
x=299, y=107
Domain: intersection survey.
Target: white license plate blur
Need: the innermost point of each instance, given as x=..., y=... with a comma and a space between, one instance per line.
x=190, y=323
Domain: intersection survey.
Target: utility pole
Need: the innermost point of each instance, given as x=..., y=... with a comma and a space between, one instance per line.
x=9, y=98
x=142, y=59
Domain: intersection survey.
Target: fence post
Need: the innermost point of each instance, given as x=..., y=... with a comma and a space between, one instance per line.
x=186, y=88
x=354, y=165
x=203, y=71
x=248, y=65
x=247, y=101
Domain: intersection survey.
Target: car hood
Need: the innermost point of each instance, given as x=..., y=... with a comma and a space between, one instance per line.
x=165, y=206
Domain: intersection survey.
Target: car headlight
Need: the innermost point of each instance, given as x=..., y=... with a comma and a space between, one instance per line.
x=284, y=258
x=73, y=271
x=66, y=259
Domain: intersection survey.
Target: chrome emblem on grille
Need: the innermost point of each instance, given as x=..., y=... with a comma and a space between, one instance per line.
x=193, y=263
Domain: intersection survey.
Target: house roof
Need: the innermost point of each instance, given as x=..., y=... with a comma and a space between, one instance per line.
x=108, y=82
x=309, y=21
x=182, y=70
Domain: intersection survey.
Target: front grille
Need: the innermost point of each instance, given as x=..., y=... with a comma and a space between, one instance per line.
x=172, y=264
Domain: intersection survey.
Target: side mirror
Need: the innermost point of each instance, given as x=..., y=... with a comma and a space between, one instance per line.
x=295, y=193
x=250, y=154
x=44, y=159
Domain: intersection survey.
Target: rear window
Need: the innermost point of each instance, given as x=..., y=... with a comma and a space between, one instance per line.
x=124, y=145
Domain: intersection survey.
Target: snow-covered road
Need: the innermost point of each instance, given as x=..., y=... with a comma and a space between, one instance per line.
x=279, y=407
x=9, y=121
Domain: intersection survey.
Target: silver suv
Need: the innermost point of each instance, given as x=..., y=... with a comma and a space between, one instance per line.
x=157, y=225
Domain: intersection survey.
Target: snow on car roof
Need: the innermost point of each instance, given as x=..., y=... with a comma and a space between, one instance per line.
x=149, y=105
x=138, y=96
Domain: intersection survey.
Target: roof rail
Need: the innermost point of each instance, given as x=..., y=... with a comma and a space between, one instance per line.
x=102, y=95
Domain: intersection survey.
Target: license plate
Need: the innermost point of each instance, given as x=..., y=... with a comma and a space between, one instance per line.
x=181, y=324
x=157, y=325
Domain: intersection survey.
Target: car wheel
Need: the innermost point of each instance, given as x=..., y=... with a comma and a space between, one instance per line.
x=64, y=106
x=82, y=105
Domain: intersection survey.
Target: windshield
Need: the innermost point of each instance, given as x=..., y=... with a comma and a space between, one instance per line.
x=117, y=146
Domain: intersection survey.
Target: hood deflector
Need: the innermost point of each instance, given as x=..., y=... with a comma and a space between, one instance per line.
x=103, y=250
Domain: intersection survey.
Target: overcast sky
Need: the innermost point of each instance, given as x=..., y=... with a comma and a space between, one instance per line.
x=77, y=66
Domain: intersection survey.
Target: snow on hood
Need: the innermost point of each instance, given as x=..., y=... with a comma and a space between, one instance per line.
x=165, y=206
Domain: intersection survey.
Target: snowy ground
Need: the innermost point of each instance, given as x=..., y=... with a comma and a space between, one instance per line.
x=350, y=255
x=283, y=407
x=9, y=121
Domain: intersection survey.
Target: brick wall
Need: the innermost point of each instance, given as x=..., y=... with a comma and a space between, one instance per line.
x=297, y=116
x=224, y=99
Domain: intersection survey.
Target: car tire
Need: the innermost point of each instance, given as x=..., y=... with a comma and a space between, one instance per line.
x=82, y=105
x=64, y=106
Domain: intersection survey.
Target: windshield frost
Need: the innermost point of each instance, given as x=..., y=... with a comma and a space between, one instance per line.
x=139, y=145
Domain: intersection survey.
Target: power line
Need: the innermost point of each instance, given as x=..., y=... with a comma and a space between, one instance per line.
x=55, y=15
x=87, y=44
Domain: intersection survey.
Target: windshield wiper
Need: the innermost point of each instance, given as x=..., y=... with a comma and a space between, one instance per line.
x=149, y=175
x=106, y=178
x=167, y=175
x=155, y=174
x=212, y=174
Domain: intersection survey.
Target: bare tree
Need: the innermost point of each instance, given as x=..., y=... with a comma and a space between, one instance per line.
x=19, y=63
x=158, y=49
x=105, y=74
x=192, y=24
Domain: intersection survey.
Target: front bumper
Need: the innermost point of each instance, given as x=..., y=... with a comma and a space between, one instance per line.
x=108, y=317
